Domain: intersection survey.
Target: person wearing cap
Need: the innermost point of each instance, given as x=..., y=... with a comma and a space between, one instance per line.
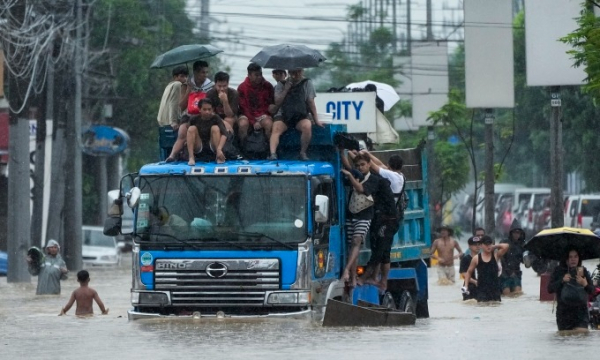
x=52, y=270
x=445, y=246
x=511, y=262
x=471, y=288
x=486, y=263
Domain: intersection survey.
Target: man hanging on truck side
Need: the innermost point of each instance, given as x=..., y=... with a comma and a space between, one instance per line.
x=388, y=218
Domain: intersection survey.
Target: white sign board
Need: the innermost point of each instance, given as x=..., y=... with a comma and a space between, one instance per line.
x=489, y=74
x=546, y=21
x=429, y=71
x=356, y=110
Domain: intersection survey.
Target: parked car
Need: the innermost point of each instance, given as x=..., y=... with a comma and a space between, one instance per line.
x=3, y=263
x=584, y=211
x=533, y=197
x=99, y=249
x=542, y=215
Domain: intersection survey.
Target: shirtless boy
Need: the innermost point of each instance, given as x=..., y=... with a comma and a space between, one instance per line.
x=84, y=296
x=445, y=246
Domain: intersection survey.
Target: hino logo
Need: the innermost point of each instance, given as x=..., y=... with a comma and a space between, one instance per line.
x=216, y=270
x=172, y=266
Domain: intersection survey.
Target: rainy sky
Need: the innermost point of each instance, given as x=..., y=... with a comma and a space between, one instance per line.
x=241, y=27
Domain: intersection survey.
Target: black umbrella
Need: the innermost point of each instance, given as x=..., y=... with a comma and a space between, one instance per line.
x=184, y=54
x=554, y=243
x=288, y=57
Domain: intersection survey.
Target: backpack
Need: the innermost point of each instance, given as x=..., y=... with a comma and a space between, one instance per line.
x=403, y=200
x=294, y=106
x=193, y=100
x=256, y=146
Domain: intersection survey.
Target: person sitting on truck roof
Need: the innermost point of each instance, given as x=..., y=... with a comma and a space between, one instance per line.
x=255, y=95
x=358, y=221
x=197, y=83
x=224, y=99
x=206, y=135
x=297, y=101
x=169, y=112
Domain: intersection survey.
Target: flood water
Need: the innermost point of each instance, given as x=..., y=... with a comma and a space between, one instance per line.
x=518, y=328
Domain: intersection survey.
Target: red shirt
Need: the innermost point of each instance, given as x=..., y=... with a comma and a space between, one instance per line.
x=254, y=100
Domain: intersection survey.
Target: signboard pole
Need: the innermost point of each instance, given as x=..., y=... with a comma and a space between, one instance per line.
x=556, y=158
x=490, y=221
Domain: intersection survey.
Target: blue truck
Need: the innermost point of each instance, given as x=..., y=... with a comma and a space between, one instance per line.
x=261, y=237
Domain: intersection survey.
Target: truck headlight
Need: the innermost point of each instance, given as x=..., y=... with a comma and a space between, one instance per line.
x=302, y=297
x=149, y=298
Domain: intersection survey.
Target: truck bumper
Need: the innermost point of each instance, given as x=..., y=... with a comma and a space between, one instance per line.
x=136, y=315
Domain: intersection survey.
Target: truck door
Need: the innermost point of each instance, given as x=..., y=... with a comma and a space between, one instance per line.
x=326, y=236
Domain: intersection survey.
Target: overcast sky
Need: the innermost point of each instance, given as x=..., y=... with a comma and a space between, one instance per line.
x=242, y=27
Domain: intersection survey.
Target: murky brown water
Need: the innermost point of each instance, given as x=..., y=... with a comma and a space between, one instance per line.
x=518, y=328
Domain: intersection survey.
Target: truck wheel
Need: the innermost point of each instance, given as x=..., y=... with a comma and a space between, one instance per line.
x=387, y=300
x=406, y=303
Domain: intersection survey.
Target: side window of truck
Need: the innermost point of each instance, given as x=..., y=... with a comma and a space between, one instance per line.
x=327, y=188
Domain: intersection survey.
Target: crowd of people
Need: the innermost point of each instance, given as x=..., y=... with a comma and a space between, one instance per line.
x=491, y=271
x=214, y=121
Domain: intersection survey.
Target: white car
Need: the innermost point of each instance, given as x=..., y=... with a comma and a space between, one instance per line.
x=99, y=249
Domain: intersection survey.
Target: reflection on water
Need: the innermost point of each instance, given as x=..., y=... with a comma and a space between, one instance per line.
x=518, y=327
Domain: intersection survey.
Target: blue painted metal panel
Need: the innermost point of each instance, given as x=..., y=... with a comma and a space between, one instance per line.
x=421, y=273
x=288, y=261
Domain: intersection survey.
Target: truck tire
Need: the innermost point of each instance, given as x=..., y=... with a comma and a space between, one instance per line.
x=406, y=303
x=387, y=300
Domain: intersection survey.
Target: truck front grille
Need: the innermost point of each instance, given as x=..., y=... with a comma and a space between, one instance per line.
x=217, y=282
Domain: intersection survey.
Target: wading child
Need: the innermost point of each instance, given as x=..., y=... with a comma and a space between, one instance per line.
x=84, y=296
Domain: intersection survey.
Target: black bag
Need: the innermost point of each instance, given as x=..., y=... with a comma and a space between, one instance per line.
x=345, y=141
x=231, y=151
x=573, y=294
x=402, y=202
x=256, y=146
x=294, y=106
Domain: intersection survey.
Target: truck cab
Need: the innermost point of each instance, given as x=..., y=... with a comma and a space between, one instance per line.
x=260, y=237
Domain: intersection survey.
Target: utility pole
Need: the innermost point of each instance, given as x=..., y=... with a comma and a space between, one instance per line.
x=205, y=21
x=408, y=29
x=18, y=218
x=556, y=159
x=73, y=191
x=489, y=221
x=429, y=21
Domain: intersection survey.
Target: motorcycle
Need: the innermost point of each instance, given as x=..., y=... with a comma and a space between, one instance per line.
x=594, y=303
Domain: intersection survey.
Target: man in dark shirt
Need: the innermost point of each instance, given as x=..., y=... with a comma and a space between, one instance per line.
x=471, y=288
x=206, y=135
x=511, y=262
x=224, y=99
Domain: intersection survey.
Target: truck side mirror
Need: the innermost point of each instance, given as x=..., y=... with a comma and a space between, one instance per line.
x=112, y=226
x=321, y=209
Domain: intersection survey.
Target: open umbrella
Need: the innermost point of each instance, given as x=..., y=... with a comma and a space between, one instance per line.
x=386, y=92
x=288, y=57
x=184, y=54
x=554, y=243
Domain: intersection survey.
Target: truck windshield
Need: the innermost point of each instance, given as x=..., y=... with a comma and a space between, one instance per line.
x=195, y=209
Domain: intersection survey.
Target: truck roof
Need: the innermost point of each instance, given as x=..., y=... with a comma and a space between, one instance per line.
x=242, y=167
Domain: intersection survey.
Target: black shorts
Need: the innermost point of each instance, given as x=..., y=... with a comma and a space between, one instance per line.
x=382, y=237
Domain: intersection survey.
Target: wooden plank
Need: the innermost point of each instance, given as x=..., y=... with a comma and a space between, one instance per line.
x=339, y=313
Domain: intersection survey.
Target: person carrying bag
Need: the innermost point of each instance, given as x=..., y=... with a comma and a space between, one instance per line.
x=359, y=202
